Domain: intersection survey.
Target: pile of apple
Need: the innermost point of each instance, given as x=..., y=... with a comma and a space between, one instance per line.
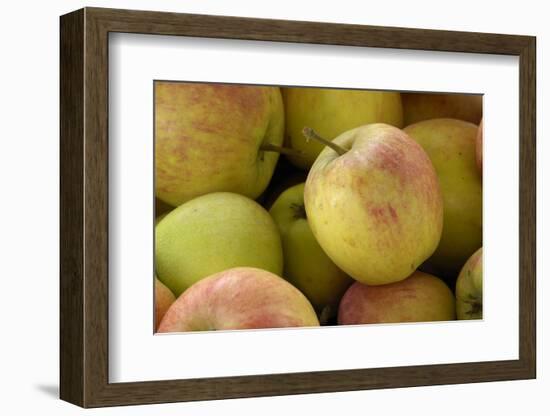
x=284, y=207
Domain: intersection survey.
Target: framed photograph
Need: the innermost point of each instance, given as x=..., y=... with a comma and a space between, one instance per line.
x=255, y=207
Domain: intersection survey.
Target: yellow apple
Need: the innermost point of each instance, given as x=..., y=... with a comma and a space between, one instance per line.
x=451, y=146
x=331, y=112
x=306, y=265
x=419, y=298
x=239, y=298
x=425, y=106
x=209, y=138
x=212, y=233
x=376, y=210
x=469, y=288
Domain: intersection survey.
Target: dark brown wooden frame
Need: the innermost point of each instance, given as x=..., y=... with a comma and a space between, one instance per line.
x=84, y=207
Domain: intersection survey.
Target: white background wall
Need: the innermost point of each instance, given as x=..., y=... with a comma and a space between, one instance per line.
x=29, y=159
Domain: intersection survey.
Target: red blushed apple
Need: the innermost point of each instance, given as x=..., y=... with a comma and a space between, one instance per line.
x=239, y=298
x=374, y=204
x=215, y=138
x=419, y=298
x=163, y=300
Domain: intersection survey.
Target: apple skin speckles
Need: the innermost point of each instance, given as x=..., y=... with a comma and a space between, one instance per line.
x=214, y=131
x=420, y=297
x=384, y=195
x=383, y=214
x=450, y=145
x=239, y=298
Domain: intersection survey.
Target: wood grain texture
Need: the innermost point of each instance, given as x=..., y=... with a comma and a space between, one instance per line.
x=527, y=208
x=96, y=219
x=71, y=158
x=84, y=207
x=226, y=27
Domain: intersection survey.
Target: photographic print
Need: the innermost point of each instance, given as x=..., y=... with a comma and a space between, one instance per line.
x=260, y=208
x=284, y=206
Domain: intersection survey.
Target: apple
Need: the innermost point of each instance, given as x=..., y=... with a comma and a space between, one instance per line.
x=421, y=297
x=374, y=205
x=211, y=137
x=163, y=299
x=479, y=147
x=212, y=233
x=469, y=288
x=451, y=146
x=239, y=298
x=306, y=265
x=331, y=112
x=425, y=106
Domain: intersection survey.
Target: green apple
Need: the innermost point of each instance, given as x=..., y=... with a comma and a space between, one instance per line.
x=212, y=233
x=374, y=205
x=451, y=146
x=330, y=112
x=479, y=147
x=425, y=106
x=163, y=300
x=239, y=298
x=419, y=298
x=210, y=138
x=306, y=265
x=469, y=288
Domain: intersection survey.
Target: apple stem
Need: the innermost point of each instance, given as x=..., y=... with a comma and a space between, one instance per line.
x=268, y=147
x=309, y=134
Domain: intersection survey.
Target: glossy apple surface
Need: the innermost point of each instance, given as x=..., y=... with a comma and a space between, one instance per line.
x=419, y=298
x=212, y=233
x=208, y=139
x=239, y=298
x=376, y=210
